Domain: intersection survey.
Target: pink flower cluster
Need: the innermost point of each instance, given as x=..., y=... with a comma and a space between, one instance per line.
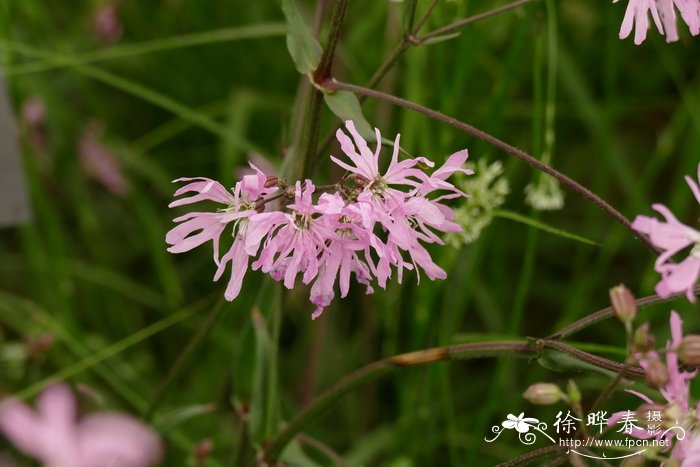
x=672, y=237
x=55, y=437
x=677, y=395
x=663, y=13
x=371, y=224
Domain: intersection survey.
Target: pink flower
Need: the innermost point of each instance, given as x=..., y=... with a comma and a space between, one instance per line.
x=240, y=211
x=362, y=226
x=676, y=392
x=382, y=189
x=294, y=240
x=397, y=201
x=672, y=237
x=342, y=254
x=663, y=13
x=54, y=436
x=99, y=162
x=106, y=23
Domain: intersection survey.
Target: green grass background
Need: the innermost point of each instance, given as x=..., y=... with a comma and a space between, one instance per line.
x=91, y=269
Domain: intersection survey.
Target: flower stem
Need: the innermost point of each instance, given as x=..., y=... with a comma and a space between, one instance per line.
x=308, y=157
x=374, y=370
x=513, y=151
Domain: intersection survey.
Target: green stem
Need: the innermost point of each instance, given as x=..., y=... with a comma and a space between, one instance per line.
x=312, y=126
x=323, y=70
x=306, y=162
x=422, y=357
x=423, y=20
x=255, y=31
x=507, y=148
x=411, y=16
x=184, y=356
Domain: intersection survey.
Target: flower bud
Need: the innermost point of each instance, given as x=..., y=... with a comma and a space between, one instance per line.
x=643, y=341
x=623, y=303
x=543, y=394
x=573, y=392
x=656, y=374
x=689, y=351
x=39, y=345
x=203, y=450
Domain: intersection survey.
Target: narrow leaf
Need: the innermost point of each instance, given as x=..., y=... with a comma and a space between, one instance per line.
x=174, y=418
x=542, y=226
x=258, y=398
x=303, y=47
x=441, y=38
x=345, y=106
x=561, y=362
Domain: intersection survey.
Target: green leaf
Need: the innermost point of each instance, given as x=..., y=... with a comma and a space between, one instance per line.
x=441, y=38
x=562, y=362
x=263, y=359
x=294, y=454
x=542, y=226
x=345, y=106
x=303, y=47
x=172, y=419
x=252, y=31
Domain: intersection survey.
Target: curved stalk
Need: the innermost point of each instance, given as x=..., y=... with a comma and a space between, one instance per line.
x=502, y=145
x=605, y=313
x=374, y=370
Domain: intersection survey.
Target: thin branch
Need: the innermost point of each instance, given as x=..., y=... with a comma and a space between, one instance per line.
x=605, y=313
x=423, y=20
x=527, y=458
x=374, y=370
x=411, y=15
x=519, y=153
x=472, y=19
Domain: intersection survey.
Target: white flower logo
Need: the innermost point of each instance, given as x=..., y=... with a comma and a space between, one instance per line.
x=520, y=423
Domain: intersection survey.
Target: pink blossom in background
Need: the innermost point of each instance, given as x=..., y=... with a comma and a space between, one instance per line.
x=56, y=437
x=99, y=162
x=672, y=237
x=106, y=23
x=33, y=119
x=663, y=14
x=371, y=225
x=33, y=112
x=676, y=392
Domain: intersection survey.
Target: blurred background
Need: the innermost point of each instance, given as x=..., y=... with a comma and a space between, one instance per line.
x=114, y=99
